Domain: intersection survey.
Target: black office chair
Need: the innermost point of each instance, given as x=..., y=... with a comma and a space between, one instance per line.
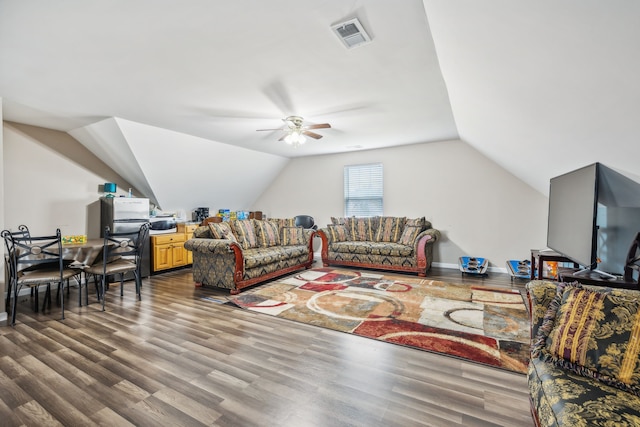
x=305, y=221
x=35, y=261
x=121, y=253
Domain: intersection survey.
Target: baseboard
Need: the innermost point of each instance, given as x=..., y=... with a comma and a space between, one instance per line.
x=457, y=267
x=317, y=258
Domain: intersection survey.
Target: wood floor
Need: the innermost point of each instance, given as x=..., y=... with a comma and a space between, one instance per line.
x=179, y=358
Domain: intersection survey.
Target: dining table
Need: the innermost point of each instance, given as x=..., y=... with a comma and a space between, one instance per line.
x=83, y=254
x=77, y=255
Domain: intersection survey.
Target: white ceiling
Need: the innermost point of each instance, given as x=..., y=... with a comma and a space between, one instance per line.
x=541, y=87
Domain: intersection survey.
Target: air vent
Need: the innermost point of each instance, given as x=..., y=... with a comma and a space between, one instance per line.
x=351, y=33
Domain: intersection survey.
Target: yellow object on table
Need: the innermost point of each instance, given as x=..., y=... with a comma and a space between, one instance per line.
x=81, y=238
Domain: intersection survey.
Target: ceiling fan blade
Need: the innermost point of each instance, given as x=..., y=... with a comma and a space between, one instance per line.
x=319, y=126
x=283, y=137
x=312, y=134
x=260, y=130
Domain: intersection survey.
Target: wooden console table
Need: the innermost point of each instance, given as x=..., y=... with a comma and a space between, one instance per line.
x=538, y=258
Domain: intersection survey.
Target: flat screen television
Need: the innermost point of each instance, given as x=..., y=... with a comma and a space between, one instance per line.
x=594, y=216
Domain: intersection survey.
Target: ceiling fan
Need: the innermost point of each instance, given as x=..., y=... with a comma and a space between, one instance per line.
x=295, y=130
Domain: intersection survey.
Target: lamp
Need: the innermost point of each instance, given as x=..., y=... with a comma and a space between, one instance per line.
x=295, y=137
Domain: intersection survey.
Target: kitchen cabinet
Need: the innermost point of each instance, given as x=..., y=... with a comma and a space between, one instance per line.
x=168, y=251
x=188, y=230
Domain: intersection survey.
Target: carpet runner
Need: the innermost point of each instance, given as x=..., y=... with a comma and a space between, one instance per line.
x=477, y=323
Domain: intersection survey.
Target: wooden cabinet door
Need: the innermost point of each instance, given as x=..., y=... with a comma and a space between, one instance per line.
x=162, y=257
x=179, y=254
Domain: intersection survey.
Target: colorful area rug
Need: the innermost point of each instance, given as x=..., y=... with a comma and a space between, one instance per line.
x=476, y=323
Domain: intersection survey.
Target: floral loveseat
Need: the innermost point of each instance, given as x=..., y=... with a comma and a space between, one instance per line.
x=240, y=253
x=584, y=368
x=390, y=243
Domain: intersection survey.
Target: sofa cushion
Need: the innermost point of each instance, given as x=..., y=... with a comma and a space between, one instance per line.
x=372, y=248
x=593, y=333
x=338, y=233
x=257, y=257
x=390, y=229
x=292, y=236
x=409, y=234
x=362, y=229
x=267, y=233
x=245, y=233
x=563, y=398
x=221, y=230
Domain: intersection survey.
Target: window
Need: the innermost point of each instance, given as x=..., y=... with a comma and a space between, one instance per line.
x=363, y=190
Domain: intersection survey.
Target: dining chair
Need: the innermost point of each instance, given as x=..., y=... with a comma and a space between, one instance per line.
x=23, y=230
x=121, y=253
x=35, y=261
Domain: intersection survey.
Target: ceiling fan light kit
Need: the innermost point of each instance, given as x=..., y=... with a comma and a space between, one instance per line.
x=295, y=138
x=296, y=131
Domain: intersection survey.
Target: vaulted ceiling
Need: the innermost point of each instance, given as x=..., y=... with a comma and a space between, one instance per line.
x=540, y=87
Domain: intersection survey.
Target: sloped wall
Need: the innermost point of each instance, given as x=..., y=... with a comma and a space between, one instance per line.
x=177, y=171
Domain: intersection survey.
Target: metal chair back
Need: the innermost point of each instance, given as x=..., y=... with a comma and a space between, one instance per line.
x=122, y=252
x=34, y=261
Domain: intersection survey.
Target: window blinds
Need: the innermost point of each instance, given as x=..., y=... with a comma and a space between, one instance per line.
x=363, y=190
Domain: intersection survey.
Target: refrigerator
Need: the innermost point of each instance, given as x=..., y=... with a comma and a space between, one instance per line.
x=124, y=214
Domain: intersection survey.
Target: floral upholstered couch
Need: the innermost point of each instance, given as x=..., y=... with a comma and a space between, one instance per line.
x=389, y=243
x=584, y=368
x=240, y=253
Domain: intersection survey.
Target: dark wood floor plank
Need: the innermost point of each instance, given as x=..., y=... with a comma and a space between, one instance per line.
x=11, y=395
x=49, y=398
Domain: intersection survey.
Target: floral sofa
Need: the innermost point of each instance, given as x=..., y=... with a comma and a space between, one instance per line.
x=240, y=253
x=584, y=368
x=389, y=243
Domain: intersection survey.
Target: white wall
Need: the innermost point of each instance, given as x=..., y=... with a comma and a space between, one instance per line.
x=51, y=180
x=480, y=208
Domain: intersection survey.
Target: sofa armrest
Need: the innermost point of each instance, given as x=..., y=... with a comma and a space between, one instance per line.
x=540, y=293
x=431, y=235
x=324, y=234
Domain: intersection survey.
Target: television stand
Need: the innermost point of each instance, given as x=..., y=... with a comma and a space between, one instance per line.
x=592, y=277
x=604, y=274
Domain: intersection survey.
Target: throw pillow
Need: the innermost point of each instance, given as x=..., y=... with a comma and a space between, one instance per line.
x=292, y=236
x=268, y=233
x=338, y=220
x=409, y=234
x=245, y=233
x=221, y=230
x=416, y=222
x=284, y=222
x=390, y=229
x=338, y=233
x=362, y=229
x=594, y=333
